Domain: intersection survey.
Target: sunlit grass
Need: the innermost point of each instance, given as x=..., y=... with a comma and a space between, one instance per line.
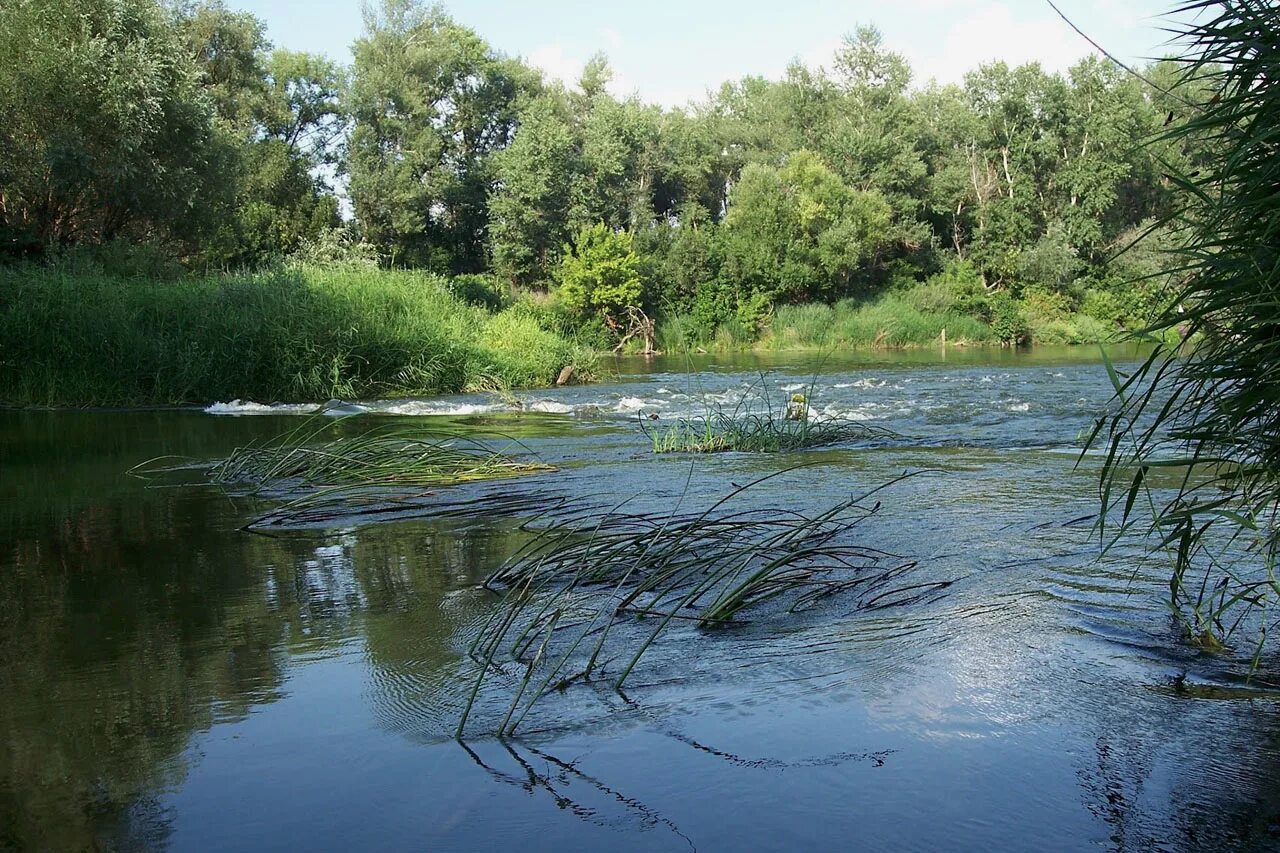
x=71, y=336
x=758, y=424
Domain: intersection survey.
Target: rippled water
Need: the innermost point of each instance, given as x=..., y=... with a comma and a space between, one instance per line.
x=170, y=680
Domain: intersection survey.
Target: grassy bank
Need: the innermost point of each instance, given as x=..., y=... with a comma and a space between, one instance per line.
x=81, y=337
x=908, y=318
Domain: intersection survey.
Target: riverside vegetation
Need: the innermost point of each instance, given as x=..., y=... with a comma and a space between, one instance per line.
x=193, y=248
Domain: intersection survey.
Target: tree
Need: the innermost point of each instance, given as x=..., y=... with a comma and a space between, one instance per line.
x=106, y=134
x=600, y=276
x=303, y=107
x=799, y=233
x=529, y=204
x=278, y=123
x=430, y=104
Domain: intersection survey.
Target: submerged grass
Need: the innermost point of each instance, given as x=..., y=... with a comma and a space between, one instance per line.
x=325, y=471
x=570, y=591
x=757, y=425
x=79, y=336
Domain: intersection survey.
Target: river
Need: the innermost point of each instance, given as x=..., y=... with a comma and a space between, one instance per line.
x=173, y=681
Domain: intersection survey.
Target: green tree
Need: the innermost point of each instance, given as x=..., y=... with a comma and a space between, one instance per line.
x=430, y=104
x=106, y=134
x=600, y=275
x=529, y=204
x=278, y=123
x=799, y=233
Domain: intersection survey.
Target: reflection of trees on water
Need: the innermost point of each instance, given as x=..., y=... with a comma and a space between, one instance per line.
x=129, y=620
x=132, y=619
x=418, y=582
x=1175, y=777
x=123, y=633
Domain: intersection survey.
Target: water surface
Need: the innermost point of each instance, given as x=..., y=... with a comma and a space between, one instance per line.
x=173, y=681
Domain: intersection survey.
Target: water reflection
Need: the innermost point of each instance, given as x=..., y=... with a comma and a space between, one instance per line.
x=162, y=669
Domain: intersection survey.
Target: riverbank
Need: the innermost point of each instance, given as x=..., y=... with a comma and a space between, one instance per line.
x=73, y=337
x=77, y=336
x=919, y=317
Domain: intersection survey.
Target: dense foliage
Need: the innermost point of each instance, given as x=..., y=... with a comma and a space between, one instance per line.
x=1194, y=440
x=170, y=127
x=176, y=128
x=71, y=335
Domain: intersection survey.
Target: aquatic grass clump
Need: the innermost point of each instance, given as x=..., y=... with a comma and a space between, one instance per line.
x=325, y=472
x=757, y=425
x=718, y=432
x=383, y=455
x=582, y=595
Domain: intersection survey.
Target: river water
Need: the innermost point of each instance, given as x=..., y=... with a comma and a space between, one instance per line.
x=171, y=680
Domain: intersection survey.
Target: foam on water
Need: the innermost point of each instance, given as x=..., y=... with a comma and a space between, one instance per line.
x=632, y=404
x=441, y=407
x=550, y=407
x=249, y=407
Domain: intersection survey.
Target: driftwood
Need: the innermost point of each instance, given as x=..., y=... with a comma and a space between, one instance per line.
x=638, y=325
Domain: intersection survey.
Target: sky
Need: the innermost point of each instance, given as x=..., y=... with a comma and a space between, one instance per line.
x=673, y=51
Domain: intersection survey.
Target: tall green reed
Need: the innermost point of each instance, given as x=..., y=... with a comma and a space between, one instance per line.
x=1206, y=415
x=76, y=336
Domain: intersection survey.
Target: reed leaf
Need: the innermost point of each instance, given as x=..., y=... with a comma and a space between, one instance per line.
x=1212, y=404
x=586, y=574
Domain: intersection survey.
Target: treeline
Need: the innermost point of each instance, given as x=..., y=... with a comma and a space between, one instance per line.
x=1007, y=199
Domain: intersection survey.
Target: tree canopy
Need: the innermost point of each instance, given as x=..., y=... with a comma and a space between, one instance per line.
x=181, y=127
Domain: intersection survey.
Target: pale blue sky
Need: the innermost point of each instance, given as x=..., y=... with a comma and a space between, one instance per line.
x=671, y=51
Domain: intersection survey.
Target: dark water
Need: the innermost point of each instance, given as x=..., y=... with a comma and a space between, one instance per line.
x=168, y=680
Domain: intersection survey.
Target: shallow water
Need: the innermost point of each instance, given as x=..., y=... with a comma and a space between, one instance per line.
x=170, y=680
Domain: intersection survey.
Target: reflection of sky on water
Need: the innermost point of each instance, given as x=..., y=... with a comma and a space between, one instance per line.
x=197, y=686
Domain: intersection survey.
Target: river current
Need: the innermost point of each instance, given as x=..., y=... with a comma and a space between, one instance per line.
x=171, y=680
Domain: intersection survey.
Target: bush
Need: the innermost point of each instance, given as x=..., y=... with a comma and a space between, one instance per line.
x=1102, y=305
x=118, y=258
x=1008, y=325
x=483, y=290
x=600, y=273
x=1052, y=263
x=335, y=247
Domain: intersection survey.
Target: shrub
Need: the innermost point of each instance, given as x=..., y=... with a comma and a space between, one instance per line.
x=485, y=291
x=1008, y=325
x=600, y=273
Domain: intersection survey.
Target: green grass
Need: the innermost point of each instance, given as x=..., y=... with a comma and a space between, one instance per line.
x=758, y=425
x=77, y=337
x=914, y=316
x=1205, y=410
x=894, y=320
